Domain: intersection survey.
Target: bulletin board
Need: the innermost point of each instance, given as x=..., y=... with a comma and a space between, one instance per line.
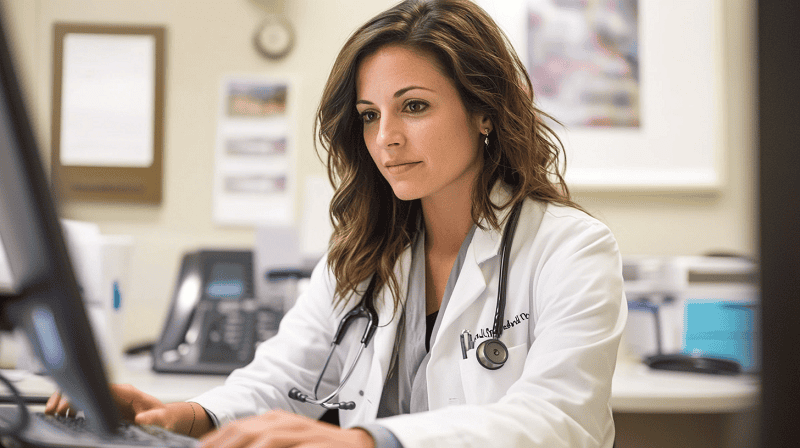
x=677, y=142
x=108, y=112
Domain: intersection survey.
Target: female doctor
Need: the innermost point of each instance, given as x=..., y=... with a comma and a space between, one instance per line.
x=496, y=303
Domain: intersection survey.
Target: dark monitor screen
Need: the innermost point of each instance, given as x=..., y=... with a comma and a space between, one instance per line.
x=779, y=219
x=44, y=300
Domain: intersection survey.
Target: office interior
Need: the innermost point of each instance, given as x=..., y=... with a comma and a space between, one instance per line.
x=209, y=40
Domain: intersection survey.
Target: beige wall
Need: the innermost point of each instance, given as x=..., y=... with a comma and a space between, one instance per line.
x=209, y=39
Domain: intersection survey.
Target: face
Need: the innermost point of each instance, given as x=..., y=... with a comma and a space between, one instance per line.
x=416, y=127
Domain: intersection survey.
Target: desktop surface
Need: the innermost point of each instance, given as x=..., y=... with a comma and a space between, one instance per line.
x=635, y=388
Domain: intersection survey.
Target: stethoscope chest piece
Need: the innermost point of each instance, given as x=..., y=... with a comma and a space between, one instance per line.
x=492, y=354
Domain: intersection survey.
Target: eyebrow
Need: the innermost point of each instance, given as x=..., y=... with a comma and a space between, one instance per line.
x=398, y=94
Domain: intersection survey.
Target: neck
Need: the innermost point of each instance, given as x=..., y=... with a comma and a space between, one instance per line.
x=446, y=224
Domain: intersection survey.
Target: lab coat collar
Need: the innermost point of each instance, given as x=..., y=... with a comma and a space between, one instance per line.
x=385, y=306
x=381, y=348
x=486, y=241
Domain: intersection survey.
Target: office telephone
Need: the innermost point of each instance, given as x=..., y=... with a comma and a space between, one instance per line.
x=215, y=321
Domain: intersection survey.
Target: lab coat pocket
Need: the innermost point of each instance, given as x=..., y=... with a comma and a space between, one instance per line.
x=481, y=385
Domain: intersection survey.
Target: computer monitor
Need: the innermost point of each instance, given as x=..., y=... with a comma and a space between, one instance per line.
x=779, y=219
x=44, y=299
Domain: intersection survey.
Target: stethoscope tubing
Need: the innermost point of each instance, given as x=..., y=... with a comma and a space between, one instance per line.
x=365, y=309
x=325, y=402
x=508, y=238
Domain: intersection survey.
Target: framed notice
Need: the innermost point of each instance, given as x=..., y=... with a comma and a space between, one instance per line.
x=637, y=85
x=108, y=112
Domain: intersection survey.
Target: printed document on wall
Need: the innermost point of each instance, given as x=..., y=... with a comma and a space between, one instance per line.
x=254, y=161
x=107, y=105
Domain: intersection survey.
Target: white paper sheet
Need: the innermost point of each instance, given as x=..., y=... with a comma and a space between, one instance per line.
x=107, y=100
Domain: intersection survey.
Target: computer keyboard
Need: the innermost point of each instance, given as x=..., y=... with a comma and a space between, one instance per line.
x=60, y=431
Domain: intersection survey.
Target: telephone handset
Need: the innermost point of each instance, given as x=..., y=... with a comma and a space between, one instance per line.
x=215, y=320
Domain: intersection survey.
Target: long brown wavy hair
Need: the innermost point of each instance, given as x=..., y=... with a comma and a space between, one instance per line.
x=371, y=226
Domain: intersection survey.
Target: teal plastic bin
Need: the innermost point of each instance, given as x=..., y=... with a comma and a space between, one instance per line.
x=722, y=329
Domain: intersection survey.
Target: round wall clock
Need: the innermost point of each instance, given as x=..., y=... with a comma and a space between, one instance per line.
x=274, y=37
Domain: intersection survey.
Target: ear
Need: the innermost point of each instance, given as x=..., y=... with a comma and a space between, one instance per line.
x=484, y=124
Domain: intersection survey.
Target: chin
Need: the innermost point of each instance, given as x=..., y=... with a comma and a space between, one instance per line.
x=406, y=194
x=406, y=197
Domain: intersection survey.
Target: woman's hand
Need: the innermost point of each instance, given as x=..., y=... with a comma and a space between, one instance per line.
x=144, y=409
x=282, y=429
x=129, y=400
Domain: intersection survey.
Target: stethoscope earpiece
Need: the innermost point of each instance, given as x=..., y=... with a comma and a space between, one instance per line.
x=492, y=354
x=295, y=394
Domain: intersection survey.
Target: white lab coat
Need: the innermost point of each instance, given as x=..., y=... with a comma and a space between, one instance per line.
x=565, y=313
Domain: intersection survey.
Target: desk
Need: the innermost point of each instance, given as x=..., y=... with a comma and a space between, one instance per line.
x=651, y=408
x=168, y=388
x=637, y=388
x=655, y=408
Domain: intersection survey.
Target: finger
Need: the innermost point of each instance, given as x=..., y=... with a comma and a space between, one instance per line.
x=231, y=436
x=282, y=439
x=123, y=397
x=279, y=442
x=275, y=429
x=52, y=402
x=156, y=417
x=132, y=401
x=218, y=438
x=63, y=406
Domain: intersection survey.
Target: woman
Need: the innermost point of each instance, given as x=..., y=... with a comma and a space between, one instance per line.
x=432, y=140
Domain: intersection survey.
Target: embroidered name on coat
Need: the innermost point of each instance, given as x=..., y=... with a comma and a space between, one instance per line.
x=488, y=332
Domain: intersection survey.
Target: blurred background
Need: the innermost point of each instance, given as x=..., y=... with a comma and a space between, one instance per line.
x=207, y=41
x=222, y=57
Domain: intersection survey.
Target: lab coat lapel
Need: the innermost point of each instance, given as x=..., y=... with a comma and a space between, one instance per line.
x=471, y=280
x=382, y=345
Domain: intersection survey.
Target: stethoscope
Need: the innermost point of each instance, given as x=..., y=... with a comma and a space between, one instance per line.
x=491, y=353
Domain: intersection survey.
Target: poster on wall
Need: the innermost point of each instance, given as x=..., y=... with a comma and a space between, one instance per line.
x=583, y=61
x=254, y=160
x=636, y=86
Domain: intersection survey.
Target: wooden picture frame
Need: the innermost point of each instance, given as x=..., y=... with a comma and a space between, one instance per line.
x=108, y=112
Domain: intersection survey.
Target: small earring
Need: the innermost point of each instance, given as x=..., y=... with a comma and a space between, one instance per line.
x=486, y=139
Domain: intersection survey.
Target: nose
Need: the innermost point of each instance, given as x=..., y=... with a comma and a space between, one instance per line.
x=390, y=132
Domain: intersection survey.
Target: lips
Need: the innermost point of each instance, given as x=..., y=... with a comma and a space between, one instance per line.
x=400, y=167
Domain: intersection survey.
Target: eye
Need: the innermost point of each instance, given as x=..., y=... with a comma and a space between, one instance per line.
x=416, y=106
x=368, y=116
